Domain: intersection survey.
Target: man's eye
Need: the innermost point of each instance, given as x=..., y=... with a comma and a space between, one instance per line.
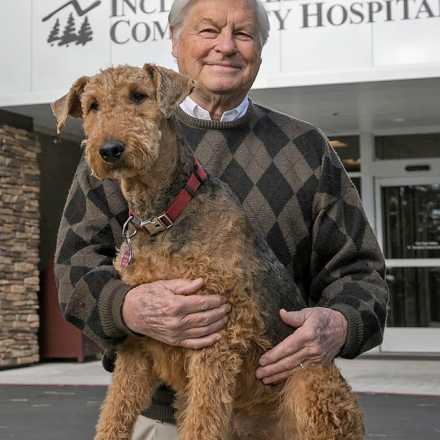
x=208, y=32
x=137, y=97
x=94, y=106
x=244, y=36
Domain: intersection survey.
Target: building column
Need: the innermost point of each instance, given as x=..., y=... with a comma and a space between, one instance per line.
x=19, y=246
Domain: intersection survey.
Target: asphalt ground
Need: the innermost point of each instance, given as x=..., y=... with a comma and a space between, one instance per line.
x=44, y=412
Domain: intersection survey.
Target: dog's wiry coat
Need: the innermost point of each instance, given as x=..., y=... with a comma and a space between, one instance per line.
x=218, y=396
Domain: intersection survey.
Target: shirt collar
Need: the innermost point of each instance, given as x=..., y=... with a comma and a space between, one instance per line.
x=190, y=107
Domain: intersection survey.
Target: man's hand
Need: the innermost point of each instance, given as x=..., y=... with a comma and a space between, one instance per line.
x=171, y=312
x=319, y=336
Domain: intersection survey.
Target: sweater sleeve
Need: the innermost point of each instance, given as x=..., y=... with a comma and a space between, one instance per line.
x=347, y=265
x=90, y=290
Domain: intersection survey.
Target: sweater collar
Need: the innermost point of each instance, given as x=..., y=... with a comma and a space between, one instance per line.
x=191, y=121
x=190, y=107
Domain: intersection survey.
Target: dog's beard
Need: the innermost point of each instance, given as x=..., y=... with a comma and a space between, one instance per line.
x=137, y=160
x=98, y=167
x=141, y=155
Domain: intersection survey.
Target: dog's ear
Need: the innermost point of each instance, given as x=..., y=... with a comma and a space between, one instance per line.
x=171, y=87
x=70, y=104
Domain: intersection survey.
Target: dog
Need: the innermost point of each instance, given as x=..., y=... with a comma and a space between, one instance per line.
x=131, y=137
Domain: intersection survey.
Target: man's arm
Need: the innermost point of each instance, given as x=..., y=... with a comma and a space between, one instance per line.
x=348, y=294
x=347, y=265
x=90, y=291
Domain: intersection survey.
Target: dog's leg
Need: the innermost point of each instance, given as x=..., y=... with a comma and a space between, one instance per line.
x=317, y=404
x=131, y=391
x=213, y=376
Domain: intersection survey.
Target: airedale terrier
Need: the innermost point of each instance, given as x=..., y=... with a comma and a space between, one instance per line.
x=132, y=138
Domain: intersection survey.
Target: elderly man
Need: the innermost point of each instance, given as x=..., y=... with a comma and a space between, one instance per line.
x=291, y=186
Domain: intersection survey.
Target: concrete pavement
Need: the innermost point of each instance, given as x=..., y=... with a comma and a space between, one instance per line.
x=392, y=376
x=365, y=375
x=400, y=399
x=51, y=412
x=57, y=373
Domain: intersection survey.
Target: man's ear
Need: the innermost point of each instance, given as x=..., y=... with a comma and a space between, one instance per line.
x=70, y=104
x=174, y=43
x=171, y=87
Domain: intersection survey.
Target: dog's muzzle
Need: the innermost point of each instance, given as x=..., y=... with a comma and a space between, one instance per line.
x=112, y=151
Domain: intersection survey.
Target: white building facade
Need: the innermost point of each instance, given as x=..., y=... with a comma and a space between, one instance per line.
x=366, y=72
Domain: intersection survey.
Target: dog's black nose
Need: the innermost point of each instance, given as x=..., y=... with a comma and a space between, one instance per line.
x=112, y=151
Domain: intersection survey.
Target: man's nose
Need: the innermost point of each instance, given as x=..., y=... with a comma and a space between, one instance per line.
x=226, y=43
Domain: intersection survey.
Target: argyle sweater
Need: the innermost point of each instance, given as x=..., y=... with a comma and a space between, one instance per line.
x=293, y=188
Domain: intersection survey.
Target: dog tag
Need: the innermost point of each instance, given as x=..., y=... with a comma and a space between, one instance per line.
x=126, y=255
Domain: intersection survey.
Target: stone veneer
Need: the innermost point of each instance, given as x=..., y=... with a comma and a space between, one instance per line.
x=19, y=246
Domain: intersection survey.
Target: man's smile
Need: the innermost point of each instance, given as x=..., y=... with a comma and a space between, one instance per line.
x=224, y=66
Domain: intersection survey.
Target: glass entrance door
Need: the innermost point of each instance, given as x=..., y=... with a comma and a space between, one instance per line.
x=408, y=220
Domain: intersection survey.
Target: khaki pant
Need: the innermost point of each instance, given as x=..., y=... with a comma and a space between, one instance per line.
x=149, y=429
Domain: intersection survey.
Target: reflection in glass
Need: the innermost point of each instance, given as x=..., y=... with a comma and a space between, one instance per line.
x=411, y=146
x=347, y=148
x=357, y=184
x=415, y=297
x=411, y=218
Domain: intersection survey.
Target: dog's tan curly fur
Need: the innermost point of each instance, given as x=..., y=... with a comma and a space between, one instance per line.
x=218, y=396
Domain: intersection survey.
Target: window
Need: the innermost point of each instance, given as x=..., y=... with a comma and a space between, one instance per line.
x=412, y=146
x=348, y=150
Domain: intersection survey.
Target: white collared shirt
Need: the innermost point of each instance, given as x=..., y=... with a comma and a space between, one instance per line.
x=190, y=107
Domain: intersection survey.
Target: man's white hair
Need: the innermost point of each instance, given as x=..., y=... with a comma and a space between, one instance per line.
x=179, y=9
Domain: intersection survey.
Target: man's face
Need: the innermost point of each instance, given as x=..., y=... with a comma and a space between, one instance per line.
x=218, y=46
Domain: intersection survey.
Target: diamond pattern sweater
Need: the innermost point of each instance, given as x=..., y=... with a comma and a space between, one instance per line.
x=293, y=188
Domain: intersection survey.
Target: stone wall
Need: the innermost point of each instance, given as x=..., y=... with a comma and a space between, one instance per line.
x=19, y=247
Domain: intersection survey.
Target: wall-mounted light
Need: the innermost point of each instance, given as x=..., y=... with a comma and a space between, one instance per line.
x=336, y=143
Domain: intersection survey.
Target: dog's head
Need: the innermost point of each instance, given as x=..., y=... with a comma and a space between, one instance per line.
x=122, y=109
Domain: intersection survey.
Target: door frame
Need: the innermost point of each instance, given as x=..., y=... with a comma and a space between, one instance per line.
x=406, y=339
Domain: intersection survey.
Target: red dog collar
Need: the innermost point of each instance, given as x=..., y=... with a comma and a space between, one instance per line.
x=166, y=220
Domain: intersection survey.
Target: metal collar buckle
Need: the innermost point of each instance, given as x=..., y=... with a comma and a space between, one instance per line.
x=127, y=251
x=157, y=224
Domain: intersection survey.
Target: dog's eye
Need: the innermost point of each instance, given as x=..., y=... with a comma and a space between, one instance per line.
x=94, y=106
x=138, y=97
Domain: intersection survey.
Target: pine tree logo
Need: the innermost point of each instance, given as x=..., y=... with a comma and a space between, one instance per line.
x=54, y=33
x=85, y=33
x=70, y=34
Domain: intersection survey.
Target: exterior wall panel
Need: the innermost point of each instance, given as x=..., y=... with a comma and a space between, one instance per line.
x=15, y=50
x=311, y=42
